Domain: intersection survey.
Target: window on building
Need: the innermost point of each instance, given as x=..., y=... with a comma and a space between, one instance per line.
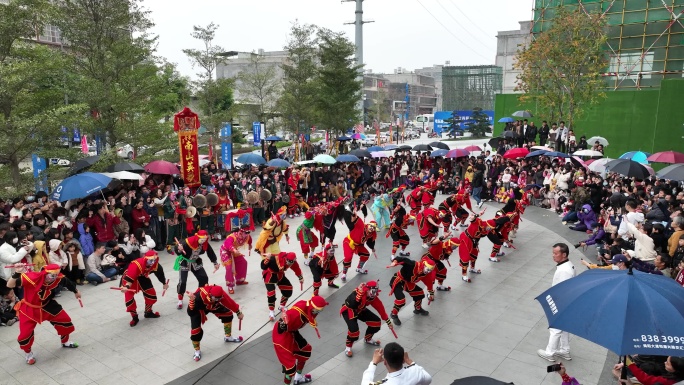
x=51, y=34
x=633, y=63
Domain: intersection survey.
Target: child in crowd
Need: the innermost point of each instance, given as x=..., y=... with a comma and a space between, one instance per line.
x=8, y=316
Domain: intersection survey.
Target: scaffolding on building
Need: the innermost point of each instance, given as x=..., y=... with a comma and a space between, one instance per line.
x=645, y=38
x=468, y=87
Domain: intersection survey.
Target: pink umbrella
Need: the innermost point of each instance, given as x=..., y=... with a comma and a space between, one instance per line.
x=457, y=153
x=667, y=157
x=473, y=148
x=516, y=153
x=162, y=167
x=382, y=154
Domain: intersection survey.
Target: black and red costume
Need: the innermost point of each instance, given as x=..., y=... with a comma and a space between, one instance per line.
x=273, y=271
x=360, y=235
x=428, y=223
x=38, y=305
x=430, y=191
x=398, y=230
x=290, y=346
x=136, y=278
x=211, y=299
x=355, y=309
x=324, y=266
x=414, y=200
x=188, y=254
x=438, y=252
x=406, y=279
x=468, y=250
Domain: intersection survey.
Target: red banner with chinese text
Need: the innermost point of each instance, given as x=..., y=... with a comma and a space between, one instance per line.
x=189, y=158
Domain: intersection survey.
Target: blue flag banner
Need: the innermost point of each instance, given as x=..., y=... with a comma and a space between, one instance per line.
x=40, y=173
x=256, y=132
x=227, y=146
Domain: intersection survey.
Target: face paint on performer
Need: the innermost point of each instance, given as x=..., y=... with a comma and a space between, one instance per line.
x=201, y=240
x=372, y=292
x=149, y=262
x=50, y=278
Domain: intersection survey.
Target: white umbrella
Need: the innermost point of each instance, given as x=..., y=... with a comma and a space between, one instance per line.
x=600, y=139
x=383, y=154
x=123, y=175
x=541, y=148
x=587, y=153
x=599, y=165
x=325, y=159
x=305, y=162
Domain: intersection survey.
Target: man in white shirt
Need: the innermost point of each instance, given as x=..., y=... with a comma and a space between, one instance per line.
x=632, y=217
x=562, y=137
x=559, y=341
x=401, y=370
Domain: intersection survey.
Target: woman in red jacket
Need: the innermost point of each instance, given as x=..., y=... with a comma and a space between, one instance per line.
x=674, y=366
x=141, y=219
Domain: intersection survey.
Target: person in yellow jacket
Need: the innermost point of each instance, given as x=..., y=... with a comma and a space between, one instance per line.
x=274, y=229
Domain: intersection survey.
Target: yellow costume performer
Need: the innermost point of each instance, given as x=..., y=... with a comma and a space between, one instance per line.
x=274, y=229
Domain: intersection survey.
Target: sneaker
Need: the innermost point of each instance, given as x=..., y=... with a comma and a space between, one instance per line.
x=443, y=288
x=361, y=271
x=453, y=228
x=306, y=261
x=11, y=322
x=30, y=359
x=404, y=253
x=500, y=254
x=197, y=356
x=372, y=342
x=232, y=339
x=302, y=379
x=395, y=319
x=71, y=345
x=152, y=314
x=506, y=245
x=565, y=356
x=271, y=316
x=421, y=312
x=479, y=205
x=424, y=245
x=333, y=285
x=180, y=304
x=348, y=353
x=494, y=259
x=465, y=278
x=343, y=277
x=549, y=357
x=134, y=321
x=463, y=225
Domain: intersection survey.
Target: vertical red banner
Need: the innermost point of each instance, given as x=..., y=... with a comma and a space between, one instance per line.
x=189, y=158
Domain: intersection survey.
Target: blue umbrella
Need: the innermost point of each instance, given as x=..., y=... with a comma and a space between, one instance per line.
x=80, y=186
x=325, y=159
x=343, y=138
x=506, y=120
x=635, y=312
x=389, y=147
x=440, y=152
x=556, y=154
x=348, y=158
x=250, y=158
x=273, y=139
x=279, y=163
x=637, y=156
x=375, y=148
x=536, y=153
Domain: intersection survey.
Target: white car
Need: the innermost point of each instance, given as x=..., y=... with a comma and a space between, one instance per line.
x=60, y=162
x=126, y=151
x=371, y=140
x=384, y=137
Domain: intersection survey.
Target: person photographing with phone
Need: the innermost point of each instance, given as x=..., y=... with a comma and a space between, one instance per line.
x=400, y=368
x=560, y=369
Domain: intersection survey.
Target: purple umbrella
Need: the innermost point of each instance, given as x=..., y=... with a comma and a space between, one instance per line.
x=457, y=153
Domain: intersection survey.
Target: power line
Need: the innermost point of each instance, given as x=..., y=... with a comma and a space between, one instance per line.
x=451, y=33
x=467, y=18
x=458, y=23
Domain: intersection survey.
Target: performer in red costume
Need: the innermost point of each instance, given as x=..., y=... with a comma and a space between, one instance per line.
x=360, y=234
x=273, y=270
x=468, y=242
x=355, y=309
x=188, y=259
x=398, y=231
x=39, y=305
x=406, y=279
x=233, y=258
x=458, y=203
x=430, y=191
x=290, y=347
x=440, y=250
x=136, y=278
x=324, y=266
x=308, y=241
x=429, y=221
x=414, y=200
x=211, y=299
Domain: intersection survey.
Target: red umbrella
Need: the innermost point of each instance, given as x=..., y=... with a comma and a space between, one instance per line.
x=472, y=148
x=162, y=167
x=457, y=153
x=516, y=153
x=667, y=157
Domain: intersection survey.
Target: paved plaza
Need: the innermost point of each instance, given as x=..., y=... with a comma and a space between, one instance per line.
x=492, y=326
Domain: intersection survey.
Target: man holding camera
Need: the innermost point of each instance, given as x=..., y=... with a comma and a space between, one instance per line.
x=400, y=368
x=559, y=341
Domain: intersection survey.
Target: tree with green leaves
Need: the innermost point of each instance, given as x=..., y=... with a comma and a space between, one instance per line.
x=176, y=93
x=215, y=96
x=298, y=98
x=339, y=86
x=259, y=89
x=33, y=85
x=479, y=123
x=561, y=69
x=115, y=70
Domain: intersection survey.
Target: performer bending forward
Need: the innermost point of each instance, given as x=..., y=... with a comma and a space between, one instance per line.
x=355, y=309
x=324, y=266
x=232, y=258
x=290, y=347
x=211, y=299
x=273, y=270
x=137, y=278
x=407, y=279
x=188, y=260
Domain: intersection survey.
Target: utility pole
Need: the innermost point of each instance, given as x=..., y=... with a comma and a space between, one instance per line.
x=358, y=37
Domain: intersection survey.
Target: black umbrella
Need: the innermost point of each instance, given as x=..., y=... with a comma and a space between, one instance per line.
x=628, y=168
x=510, y=134
x=494, y=142
x=422, y=147
x=361, y=153
x=125, y=166
x=403, y=147
x=83, y=164
x=441, y=145
x=479, y=380
x=672, y=172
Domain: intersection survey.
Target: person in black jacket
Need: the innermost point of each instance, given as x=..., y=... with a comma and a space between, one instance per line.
x=543, y=133
x=531, y=133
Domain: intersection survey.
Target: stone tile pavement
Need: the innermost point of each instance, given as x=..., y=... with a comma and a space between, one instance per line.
x=490, y=327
